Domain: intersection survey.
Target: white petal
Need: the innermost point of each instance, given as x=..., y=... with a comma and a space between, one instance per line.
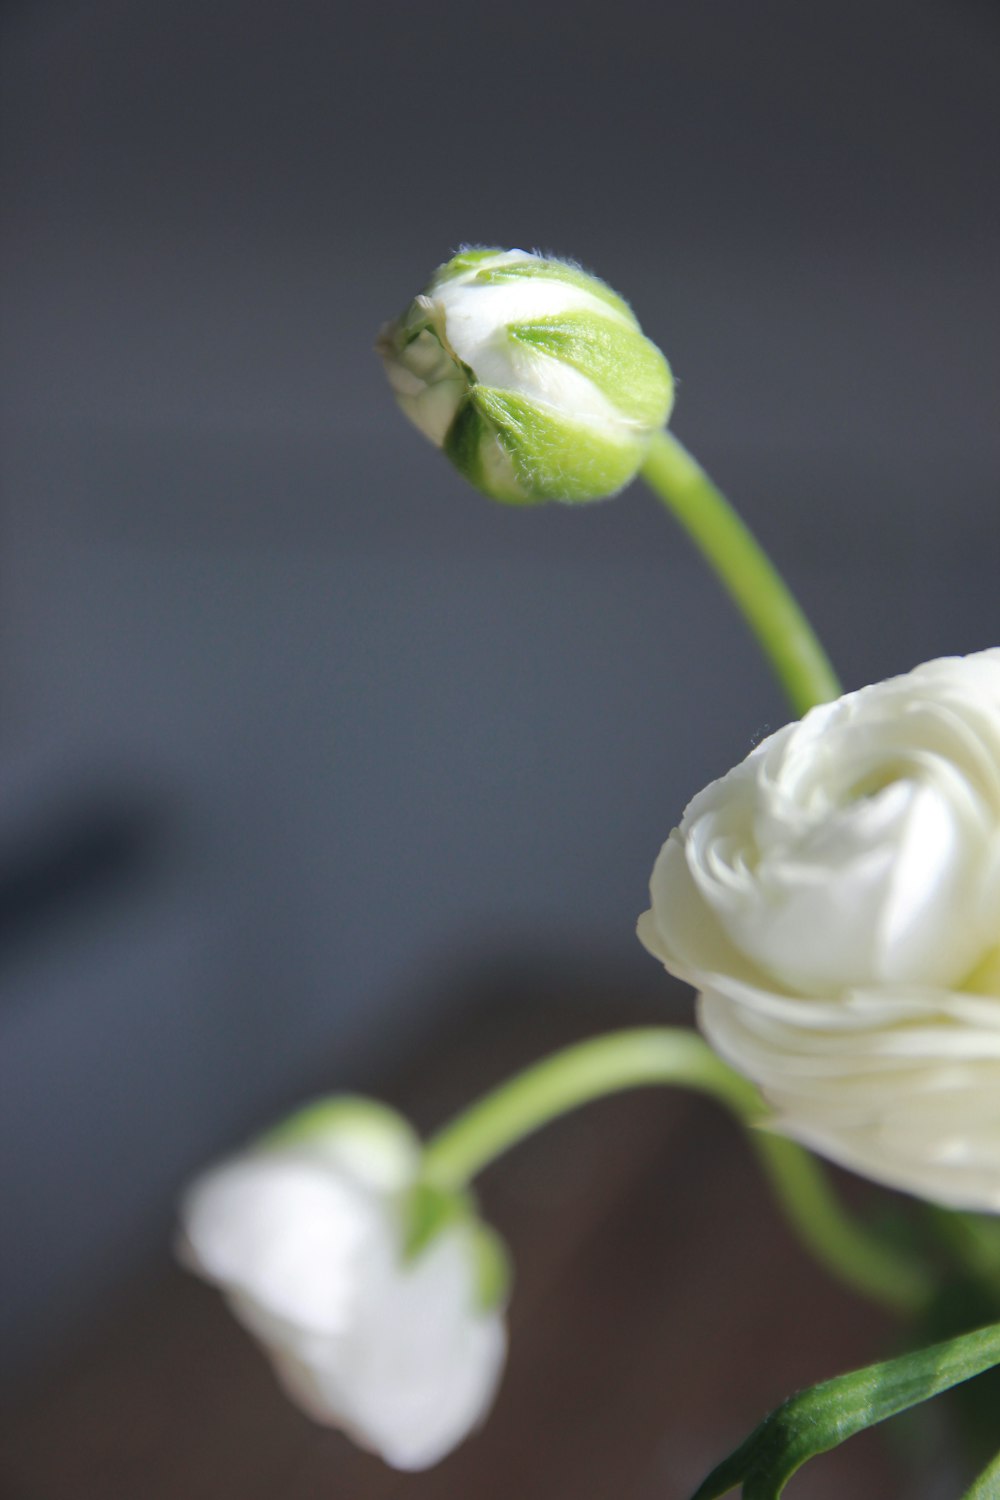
x=682, y=929
x=286, y=1235
x=418, y=1371
x=914, y=1106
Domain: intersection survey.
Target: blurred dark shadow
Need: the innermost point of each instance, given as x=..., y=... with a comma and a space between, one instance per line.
x=67, y=870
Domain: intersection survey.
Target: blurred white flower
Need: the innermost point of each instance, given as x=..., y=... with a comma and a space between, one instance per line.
x=531, y=374
x=305, y=1236
x=836, y=900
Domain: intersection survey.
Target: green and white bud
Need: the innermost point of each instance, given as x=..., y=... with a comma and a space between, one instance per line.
x=532, y=375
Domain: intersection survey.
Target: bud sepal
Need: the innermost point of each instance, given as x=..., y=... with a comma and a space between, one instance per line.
x=532, y=375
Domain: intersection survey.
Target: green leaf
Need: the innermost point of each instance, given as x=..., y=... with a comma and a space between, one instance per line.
x=816, y=1420
x=987, y=1486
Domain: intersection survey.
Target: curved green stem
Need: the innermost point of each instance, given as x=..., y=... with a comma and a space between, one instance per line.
x=844, y=1247
x=971, y=1239
x=574, y=1076
x=657, y=1055
x=745, y=571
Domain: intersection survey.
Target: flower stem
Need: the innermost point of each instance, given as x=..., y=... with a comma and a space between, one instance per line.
x=847, y=1249
x=574, y=1076
x=972, y=1240
x=745, y=571
x=673, y=1055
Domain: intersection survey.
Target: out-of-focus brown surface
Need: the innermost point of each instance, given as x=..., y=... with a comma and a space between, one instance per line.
x=660, y=1308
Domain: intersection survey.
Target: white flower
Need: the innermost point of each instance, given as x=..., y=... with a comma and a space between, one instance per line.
x=305, y=1236
x=532, y=375
x=836, y=900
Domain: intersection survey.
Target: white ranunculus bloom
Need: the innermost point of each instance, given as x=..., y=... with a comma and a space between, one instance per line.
x=304, y=1235
x=836, y=900
x=532, y=375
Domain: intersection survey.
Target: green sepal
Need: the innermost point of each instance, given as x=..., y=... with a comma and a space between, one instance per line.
x=354, y=1113
x=467, y=259
x=623, y=364
x=427, y=1211
x=474, y=447
x=816, y=1420
x=558, y=271
x=555, y=459
x=494, y=1268
x=430, y=1210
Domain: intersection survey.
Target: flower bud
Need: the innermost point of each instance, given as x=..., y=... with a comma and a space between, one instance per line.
x=310, y=1237
x=532, y=375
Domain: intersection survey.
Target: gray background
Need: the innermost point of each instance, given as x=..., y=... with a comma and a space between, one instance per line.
x=303, y=742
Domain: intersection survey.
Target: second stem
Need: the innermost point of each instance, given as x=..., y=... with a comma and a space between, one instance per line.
x=673, y=1055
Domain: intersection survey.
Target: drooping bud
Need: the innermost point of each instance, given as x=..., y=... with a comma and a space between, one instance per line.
x=533, y=376
x=381, y=1314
